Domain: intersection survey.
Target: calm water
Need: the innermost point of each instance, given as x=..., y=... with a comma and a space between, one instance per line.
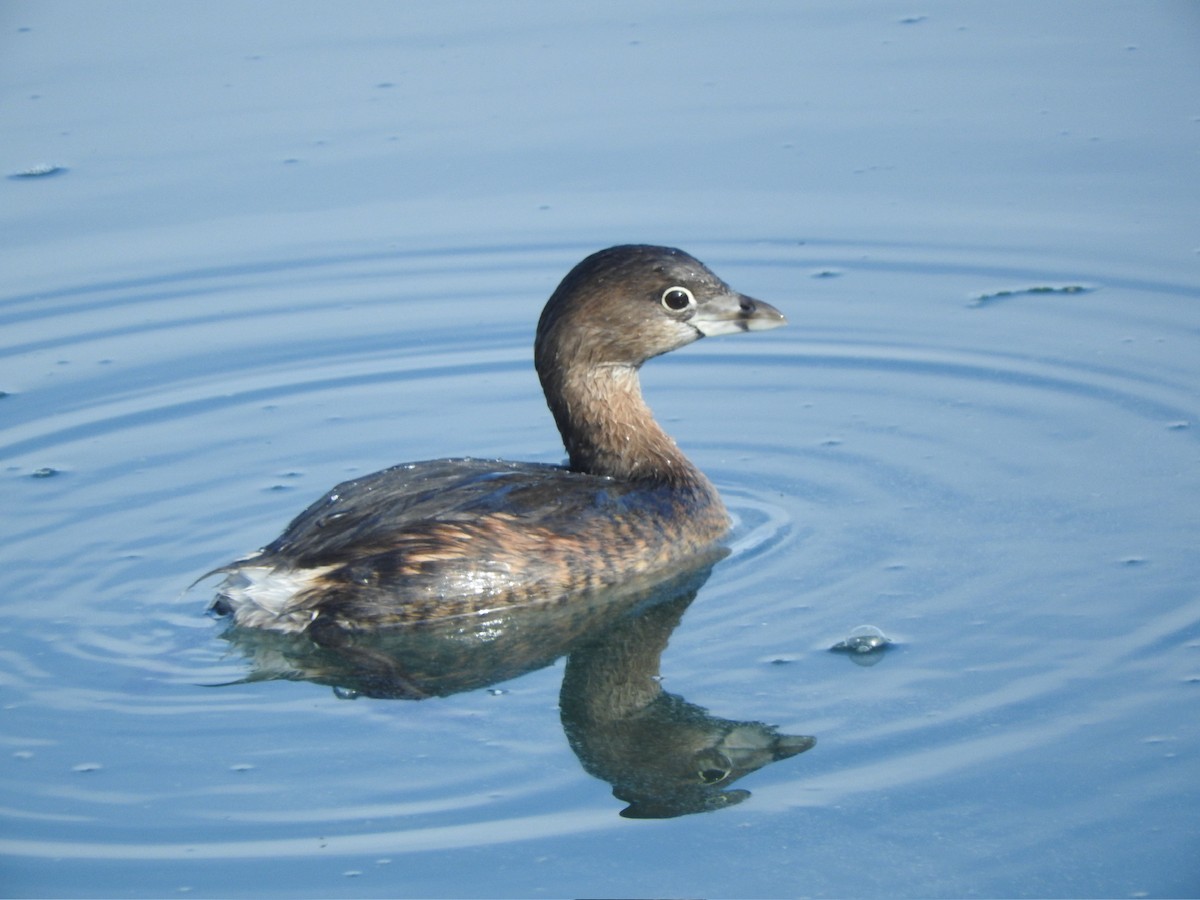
x=285, y=245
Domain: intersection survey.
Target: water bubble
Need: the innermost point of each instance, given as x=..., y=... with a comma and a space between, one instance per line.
x=865, y=645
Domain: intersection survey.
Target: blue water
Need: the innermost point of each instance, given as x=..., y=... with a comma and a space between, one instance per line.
x=252, y=251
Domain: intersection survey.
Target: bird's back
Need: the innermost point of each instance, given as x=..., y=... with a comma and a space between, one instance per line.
x=453, y=537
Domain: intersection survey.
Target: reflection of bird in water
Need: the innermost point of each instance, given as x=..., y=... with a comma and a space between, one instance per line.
x=663, y=756
x=456, y=537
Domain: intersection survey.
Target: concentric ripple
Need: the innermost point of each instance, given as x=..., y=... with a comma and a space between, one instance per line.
x=1006, y=489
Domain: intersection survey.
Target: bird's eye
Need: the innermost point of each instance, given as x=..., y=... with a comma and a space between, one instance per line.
x=677, y=299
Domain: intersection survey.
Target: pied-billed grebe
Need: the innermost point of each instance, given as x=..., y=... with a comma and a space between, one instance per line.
x=442, y=538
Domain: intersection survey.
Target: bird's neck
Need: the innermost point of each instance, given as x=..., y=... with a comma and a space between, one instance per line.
x=609, y=430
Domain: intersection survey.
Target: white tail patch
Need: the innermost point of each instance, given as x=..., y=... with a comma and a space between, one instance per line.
x=265, y=596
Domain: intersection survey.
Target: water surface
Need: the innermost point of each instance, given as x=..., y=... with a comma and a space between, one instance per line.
x=282, y=253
